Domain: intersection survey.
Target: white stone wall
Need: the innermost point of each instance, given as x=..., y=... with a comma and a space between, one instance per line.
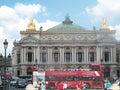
x=85, y=39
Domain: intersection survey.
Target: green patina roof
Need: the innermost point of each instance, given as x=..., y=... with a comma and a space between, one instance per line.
x=67, y=24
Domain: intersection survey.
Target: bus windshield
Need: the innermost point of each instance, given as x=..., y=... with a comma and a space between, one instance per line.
x=95, y=67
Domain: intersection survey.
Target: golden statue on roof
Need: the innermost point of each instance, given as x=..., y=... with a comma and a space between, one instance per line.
x=104, y=24
x=31, y=24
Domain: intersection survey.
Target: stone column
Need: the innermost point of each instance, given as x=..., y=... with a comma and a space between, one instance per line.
x=101, y=53
x=114, y=55
x=49, y=58
x=22, y=55
x=111, y=55
x=61, y=55
x=34, y=54
x=87, y=57
x=73, y=55
x=40, y=52
x=98, y=56
x=85, y=54
x=38, y=55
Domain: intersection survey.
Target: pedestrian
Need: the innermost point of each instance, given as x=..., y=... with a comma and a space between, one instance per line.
x=64, y=86
x=77, y=87
x=84, y=86
x=105, y=85
x=108, y=84
x=43, y=86
x=38, y=85
x=60, y=85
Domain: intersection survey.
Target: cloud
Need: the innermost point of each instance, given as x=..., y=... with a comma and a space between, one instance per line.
x=47, y=24
x=13, y=20
x=117, y=28
x=28, y=10
x=108, y=8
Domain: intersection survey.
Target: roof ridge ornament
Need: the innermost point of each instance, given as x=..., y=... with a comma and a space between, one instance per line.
x=104, y=24
x=31, y=25
x=67, y=17
x=67, y=20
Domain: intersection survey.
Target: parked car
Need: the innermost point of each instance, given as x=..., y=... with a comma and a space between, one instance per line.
x=21, y=83
x=13, y=81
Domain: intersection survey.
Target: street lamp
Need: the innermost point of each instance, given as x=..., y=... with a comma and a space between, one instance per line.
x=5, y=47
x=102, y=68
x=4, y=63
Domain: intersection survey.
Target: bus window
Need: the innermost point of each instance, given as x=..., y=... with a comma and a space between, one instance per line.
x=47, y=78
x=77, y=78
x=87, y=78
x=69, y=78
x=95, y=68
x=50, y=78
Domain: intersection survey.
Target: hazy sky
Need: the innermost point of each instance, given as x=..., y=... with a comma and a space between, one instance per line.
x=15, y=15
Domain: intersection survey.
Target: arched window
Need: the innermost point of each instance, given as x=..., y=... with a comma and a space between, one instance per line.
x=29, y=56
x=68, y=57
x=56, y=56
x=44, y=57
x=92, y=53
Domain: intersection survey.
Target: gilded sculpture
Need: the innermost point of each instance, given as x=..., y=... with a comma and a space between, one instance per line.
x=104, y=24
x=31, y=24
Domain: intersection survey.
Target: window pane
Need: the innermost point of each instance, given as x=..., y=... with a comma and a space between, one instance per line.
x=56, y=57
x=106, y=56
x=29, y=56
x=79, y=56
x=44, y=57
x=91, y=56
x=67, y=57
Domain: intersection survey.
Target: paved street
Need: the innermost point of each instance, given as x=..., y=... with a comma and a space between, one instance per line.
x=13, y=88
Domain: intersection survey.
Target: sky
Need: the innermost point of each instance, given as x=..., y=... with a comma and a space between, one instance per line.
x=15, y=15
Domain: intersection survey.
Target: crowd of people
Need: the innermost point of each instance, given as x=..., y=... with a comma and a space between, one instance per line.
x=107, y=84
x=40, y=86
x=60, y=86
x=64, y=86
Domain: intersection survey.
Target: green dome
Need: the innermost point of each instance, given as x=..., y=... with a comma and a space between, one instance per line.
x=67, y=24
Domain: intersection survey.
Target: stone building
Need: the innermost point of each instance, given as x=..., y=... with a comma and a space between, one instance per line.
x=66, y=46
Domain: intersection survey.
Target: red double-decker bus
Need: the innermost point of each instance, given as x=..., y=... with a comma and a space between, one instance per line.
x=52, y=78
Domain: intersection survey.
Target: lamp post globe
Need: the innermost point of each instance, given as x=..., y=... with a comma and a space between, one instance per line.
x=5, y=44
